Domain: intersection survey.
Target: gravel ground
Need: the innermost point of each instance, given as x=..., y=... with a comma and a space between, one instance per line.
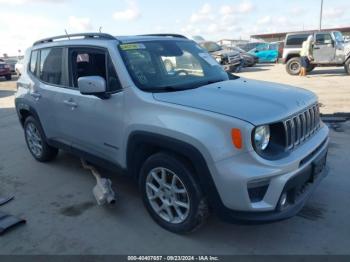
x=331, y=84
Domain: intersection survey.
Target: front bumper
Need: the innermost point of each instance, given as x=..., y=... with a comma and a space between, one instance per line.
x=298, y=190
x=294, y=177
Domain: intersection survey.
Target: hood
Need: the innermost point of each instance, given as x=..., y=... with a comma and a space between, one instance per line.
x=257, y=102
x=225, y=53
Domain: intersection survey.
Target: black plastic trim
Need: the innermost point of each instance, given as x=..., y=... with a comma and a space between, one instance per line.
x=182, y=148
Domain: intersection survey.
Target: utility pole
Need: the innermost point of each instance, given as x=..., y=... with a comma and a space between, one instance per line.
x=321, y=14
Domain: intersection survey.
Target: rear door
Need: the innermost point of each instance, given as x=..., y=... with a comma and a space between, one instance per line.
x=47, y=66
x=324, y=48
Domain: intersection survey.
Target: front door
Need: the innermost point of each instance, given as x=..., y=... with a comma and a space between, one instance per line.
x=89, y=123
x=324, y=49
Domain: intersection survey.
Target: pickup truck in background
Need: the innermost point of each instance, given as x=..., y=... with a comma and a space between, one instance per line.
x=329, y=49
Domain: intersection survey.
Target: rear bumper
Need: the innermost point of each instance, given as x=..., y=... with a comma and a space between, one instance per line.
x=5, y=72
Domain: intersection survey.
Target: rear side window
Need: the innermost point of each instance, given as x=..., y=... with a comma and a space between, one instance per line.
x=50, y=68
x=33, y=62
x=296, y=40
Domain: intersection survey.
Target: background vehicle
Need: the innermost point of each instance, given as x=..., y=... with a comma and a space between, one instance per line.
x=248, y=59
x=11, y=62
x=266, y=52
x=329, y=49
x=249, y=46
x=194, y=137
x=5, y=71
x=231, y=61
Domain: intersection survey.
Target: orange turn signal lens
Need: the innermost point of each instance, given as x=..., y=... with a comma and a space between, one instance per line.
x=237, y=138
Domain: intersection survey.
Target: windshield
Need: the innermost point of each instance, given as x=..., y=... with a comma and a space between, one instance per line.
x=158, y=66
x=338, y=37
x=211, y=46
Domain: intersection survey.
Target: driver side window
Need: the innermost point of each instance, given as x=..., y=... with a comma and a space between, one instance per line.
x=93, y=62
x=323, y=39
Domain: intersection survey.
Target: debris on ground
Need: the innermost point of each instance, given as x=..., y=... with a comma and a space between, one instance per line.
x=103, y=191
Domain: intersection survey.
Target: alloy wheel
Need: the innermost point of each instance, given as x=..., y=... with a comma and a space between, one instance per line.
x=34, y=139
x=167, y=195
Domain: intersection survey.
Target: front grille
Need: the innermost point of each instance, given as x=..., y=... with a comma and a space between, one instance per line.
x=233, y=59
x=302, y=126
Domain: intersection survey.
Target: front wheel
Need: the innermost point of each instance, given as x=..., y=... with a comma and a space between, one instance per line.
x=293, y=66
x=347, y=66
x=171, y=194
x=8, y=77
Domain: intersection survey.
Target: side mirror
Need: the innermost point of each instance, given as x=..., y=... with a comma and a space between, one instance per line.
x=92, y=85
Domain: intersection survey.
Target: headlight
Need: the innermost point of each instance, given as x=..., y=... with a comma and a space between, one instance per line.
x=218, y=59
x=262, y=137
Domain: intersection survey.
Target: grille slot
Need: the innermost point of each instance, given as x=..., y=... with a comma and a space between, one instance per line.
x=299, y=128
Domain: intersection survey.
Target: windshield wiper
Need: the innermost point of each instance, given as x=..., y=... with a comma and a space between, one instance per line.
x=164, y=89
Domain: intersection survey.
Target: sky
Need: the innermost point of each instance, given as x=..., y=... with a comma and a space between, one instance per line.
x=24, y=21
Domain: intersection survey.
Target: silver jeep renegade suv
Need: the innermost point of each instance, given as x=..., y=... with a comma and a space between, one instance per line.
x=195, y=138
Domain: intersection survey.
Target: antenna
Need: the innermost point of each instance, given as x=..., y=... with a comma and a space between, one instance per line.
x=67, y=34
x=100, y=29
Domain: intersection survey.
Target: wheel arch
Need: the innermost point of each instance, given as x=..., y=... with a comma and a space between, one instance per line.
x=24, y=110
x=143, y=144
x=290, y=56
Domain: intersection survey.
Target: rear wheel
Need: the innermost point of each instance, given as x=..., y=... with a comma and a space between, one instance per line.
x=293, y=66
x=171, y=194
x=347, y=66
x=36, y=141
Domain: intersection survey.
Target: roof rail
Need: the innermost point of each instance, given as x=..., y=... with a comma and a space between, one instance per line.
x=166, y=35
x=68, y=36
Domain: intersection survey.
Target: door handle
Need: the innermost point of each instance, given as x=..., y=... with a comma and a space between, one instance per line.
x=70, y=103
x=317, y=48
x=36, y=95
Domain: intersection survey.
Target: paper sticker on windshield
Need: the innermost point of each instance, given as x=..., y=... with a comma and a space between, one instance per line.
x=209, y=59
x=126, y=47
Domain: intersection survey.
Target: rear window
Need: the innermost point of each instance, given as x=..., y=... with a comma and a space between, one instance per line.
x=296, y=40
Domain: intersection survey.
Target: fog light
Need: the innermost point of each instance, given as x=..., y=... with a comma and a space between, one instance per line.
x=283, y=200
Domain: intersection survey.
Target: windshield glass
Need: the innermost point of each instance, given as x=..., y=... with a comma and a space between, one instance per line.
x=338, y=37
x=211, y=46
x=170, y=65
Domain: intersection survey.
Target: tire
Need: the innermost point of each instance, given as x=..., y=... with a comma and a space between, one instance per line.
x=192, y=212
x=347, y=66
x=8, y=77
x=310, y=68
x=36, y=141
x=293, y=66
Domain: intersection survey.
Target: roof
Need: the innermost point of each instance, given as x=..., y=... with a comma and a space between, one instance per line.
x=103, y=36
x=140, y=38
x=281, y=34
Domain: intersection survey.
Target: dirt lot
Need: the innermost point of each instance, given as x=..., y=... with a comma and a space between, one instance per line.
x=331, y=84
x=62, y=217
